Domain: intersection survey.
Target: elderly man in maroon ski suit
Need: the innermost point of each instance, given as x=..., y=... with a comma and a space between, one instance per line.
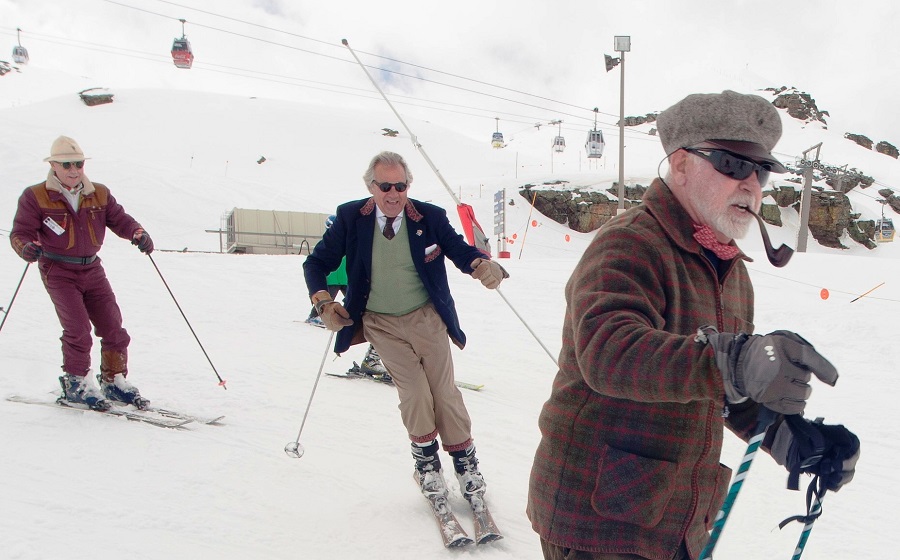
x=60, y=224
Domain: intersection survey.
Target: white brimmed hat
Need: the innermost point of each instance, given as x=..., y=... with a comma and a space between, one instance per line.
x=65, y=149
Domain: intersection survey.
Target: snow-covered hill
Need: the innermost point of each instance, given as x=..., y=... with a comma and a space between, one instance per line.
x=81, y=485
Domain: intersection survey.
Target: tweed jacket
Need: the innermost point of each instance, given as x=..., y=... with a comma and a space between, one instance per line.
x=628, y=461
x=431, y=239
x=82, y=232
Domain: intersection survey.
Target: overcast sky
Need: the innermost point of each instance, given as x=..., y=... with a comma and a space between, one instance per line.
x=843, y=53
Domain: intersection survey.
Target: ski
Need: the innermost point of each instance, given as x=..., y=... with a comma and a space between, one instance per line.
x=452, y=533
x=485, y=529
x=214, y=420
x=356, y=373
x=136, y=415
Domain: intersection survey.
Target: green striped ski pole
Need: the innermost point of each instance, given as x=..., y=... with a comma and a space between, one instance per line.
x=766, y=417
x=814, y=513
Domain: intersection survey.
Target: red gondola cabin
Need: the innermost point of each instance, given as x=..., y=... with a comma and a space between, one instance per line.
x=181, y=53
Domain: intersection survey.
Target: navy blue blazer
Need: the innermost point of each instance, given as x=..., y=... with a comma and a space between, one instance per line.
x=351, y=235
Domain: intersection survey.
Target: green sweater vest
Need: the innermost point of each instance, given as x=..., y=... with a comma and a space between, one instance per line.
x=396, y=286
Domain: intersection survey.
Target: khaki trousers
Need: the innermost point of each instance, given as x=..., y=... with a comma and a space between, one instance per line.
x=415, y=350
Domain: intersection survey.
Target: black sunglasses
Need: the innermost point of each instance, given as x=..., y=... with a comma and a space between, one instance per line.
x=69, y=164
x=732, y=165
x=385, y=187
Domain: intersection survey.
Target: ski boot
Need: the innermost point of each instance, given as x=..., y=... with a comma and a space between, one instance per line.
x=80, y=390
x=120, y=390
x=373, y=367
x=471, y=483
x=428, y=470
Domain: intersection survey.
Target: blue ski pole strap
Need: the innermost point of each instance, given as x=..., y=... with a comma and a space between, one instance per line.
x=764, y=420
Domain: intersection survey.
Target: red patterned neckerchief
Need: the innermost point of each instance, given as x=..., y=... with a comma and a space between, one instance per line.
x=707, y=239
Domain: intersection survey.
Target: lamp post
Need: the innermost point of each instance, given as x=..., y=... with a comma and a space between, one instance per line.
x=622, y=44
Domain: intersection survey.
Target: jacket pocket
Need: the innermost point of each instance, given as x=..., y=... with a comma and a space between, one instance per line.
x=55, y=236
x=432, y=253
x=631, y=488
x=723, y=477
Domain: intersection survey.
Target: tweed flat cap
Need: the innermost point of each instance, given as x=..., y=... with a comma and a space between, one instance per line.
x=736, y=118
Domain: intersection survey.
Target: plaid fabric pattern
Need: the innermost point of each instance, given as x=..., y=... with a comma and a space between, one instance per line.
x=628, y=462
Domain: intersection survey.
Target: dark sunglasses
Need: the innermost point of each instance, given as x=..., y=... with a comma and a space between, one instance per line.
x=69, y=164
x=385, y=187
x=731, y=165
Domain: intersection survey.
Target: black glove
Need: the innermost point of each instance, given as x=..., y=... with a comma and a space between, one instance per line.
x=144, y=243
x=773, y=370
x=829, y=452
x=32, y=251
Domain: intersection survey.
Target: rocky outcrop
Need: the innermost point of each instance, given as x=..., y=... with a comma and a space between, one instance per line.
x=582, y=211
x=860, y=139
x=798, y=104
x=887, y=149
x=636, y=121
x=830, y=212
x=892, y=200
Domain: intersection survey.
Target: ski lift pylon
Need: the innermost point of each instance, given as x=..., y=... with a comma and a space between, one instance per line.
x=182, y=55
x=20, y=53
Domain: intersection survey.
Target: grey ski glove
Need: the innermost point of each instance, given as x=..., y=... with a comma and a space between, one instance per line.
x=773, y=370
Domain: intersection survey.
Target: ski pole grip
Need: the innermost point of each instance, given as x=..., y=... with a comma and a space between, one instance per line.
x=764, y=419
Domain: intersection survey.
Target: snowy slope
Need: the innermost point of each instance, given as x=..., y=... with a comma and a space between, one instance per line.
x=81, y=485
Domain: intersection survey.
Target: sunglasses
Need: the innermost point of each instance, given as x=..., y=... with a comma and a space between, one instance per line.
x=69, y=164
x=731, y=165
x=385, y=187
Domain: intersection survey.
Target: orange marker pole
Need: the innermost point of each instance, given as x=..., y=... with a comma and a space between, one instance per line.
x=867, y=293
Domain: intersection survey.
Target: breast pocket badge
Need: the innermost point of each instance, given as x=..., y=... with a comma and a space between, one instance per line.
x=54, y=227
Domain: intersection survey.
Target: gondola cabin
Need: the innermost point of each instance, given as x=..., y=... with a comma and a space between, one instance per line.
x=884, y=230
x=559, y=144
x=182, y=55
x=594, y=144
x=497, y=140
x=20, y=54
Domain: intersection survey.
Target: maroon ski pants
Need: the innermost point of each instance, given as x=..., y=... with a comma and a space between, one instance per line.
x=82, y=296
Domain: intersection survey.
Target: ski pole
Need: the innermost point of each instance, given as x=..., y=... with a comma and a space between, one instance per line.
x=763, y=421
x=526, y=325
x=293, y=448
x=166, y=284
x=814, y=513
x=9, y=307
x=434, y=168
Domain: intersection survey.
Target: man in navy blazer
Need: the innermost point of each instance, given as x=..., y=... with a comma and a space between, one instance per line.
x=398, y=299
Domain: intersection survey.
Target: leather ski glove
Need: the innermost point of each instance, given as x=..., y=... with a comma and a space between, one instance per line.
x=332, y=313
x=773, y=370
x=32, y=252
x=489, y=272
x=801, y=446
x=143, y=241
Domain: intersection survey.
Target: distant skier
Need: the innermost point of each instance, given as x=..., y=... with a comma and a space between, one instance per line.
x=399, y=299
x=337, y=284
x=60, y=224
x=658, y=357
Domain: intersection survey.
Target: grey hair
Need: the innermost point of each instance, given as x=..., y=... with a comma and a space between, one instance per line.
x=386, y=158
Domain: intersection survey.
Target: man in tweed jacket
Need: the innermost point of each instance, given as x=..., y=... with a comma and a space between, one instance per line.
x=628, y=464
x=398, y=298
